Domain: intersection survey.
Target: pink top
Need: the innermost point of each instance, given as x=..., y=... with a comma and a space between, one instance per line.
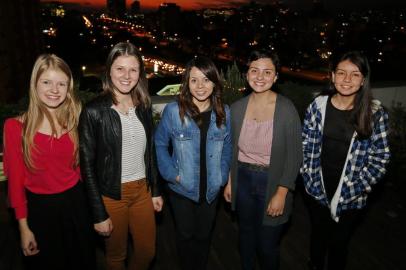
x=255, y=142
x=53, y=160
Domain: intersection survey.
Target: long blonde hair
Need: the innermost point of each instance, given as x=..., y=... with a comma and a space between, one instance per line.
x=66, y=115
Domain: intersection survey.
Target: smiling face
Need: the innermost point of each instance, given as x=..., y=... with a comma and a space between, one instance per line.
x=347, y=78
x=261, y=75
x=200, y=86
x=52, y=88
x=124, y=73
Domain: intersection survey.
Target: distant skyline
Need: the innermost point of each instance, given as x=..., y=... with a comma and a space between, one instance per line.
x=199, y=4
x=154, y=4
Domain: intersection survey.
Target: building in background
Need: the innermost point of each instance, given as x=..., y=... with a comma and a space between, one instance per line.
x=135, y=7
x=116, y=8
x=20, y=44
x=169, y=14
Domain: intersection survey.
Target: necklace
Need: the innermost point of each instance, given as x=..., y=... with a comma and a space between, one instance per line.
x=120, y=110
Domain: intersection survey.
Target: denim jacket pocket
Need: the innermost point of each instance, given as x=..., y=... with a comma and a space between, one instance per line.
x=182, y=145
x=217, y=139
x=185, y=182
x=218, y=135
x=183, y=148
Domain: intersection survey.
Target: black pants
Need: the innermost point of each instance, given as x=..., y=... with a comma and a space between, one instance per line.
x=63, y=231
x=330, y=239
x=194, y=225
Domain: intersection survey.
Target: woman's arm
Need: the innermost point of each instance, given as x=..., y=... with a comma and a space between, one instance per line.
x=28, y=242
x=87, y=148
x=293, y=158
x=276, y=205
x=162, y=140
x=308, y=140
x=15, y=171
x=157, y=200
x=226, y=154
x=153, y=174
x=227, y=190
x=293, y=150
x=14, y=166
x=378, y=156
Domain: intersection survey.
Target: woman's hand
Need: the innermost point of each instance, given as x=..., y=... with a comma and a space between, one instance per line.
x=28, y=242
x=277, y=203
x=157, y=202
x=104, y=228
x=227, y=190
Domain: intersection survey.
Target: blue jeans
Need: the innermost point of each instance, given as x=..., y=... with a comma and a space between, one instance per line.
x=254, y=237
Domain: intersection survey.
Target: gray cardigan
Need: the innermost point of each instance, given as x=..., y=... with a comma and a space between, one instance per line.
x=286, y=153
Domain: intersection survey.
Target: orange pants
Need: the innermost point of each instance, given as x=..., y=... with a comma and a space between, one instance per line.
x=133, y=214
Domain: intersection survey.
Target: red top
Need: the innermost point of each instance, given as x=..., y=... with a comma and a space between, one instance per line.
x=53, y=161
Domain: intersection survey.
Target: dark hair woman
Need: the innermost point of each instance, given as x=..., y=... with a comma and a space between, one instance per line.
x=266, y=161
x=345, y=152
x=198, y=128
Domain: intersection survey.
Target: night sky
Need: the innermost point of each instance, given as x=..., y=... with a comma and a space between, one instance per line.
x=198, y=4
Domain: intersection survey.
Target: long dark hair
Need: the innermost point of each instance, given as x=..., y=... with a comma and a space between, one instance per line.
x=186, y=105
x=139, y=94
x=361, y=116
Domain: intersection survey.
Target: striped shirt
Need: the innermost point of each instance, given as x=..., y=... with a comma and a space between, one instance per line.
x=133, y=147
x=255, y=142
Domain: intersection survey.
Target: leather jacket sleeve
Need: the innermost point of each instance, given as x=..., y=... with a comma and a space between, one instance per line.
x=88, y=164
x=153, y=173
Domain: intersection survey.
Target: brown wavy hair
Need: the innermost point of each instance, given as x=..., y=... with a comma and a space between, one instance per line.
x=185, y=100
x=139, y=94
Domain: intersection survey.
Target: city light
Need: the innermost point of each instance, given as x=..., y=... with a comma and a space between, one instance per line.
x=87, y=22
x=227, y=34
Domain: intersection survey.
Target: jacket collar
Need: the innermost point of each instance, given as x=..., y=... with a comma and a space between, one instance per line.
x=106, y=100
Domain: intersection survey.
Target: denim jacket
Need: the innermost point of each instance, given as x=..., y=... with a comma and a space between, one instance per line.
x=185, y=158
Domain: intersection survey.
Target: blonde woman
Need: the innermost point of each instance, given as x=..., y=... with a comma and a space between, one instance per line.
x=41, y=164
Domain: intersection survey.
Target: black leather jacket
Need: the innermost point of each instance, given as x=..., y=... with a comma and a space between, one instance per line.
x=100, y=153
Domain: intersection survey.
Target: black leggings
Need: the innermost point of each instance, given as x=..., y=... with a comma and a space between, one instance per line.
x=63, y=231
x=330, y=239
x=194, y=224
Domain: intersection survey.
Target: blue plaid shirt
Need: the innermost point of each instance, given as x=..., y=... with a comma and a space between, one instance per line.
x=364, y=166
